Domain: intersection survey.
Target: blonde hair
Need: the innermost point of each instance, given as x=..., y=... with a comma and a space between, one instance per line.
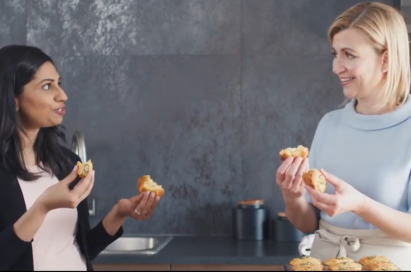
x=387, y=31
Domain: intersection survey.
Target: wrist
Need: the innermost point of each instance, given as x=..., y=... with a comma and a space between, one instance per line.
x=292, y=200
x=362, y=205
x=40, y=208
x=118, y=214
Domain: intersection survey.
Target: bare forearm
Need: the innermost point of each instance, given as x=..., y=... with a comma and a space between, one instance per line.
x=113, y=221
x=394, y=223
x=301, y=214
x=30, y=222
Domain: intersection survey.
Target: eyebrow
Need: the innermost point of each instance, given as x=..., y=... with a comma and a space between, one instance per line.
x=345, y=49
x=48, y=79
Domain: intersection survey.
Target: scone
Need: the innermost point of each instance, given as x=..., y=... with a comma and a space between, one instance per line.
x=146, y=184
x=315, y=179
x=381, y=266
x=84, y=168
x=373, y=259
x=347, y=266
x=304, y=261
x=338, y=260
x=315, y=267
x=299, y=151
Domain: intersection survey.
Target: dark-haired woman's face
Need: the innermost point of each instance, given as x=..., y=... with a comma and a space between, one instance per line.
x=42, y=102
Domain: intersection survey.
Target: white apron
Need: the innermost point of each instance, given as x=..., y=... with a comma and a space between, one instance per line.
x=331, y=242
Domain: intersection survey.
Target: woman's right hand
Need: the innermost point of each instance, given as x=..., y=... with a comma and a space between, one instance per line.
x=289, y=177
x=60, y=196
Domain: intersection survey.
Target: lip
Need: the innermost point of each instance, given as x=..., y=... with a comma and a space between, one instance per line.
x=62, y=112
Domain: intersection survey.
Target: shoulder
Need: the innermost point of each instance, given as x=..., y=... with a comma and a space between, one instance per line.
x=332, y=118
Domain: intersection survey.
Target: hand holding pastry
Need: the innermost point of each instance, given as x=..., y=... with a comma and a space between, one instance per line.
x=60, y=196
x=139, y=207
x=345, y=199
x=289, y=177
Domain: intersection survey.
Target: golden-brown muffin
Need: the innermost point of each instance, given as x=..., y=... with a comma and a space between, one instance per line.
x=373, y=259
x=84, y=168
x=381, y=266
x=338, y=260
x=315, y=179
x=347, y=266
x=146, y=184
x=299, y=151
x=314, y=267
x=304, y=260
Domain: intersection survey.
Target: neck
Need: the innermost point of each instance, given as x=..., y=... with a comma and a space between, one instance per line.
x=370, y=106
x=28, y=139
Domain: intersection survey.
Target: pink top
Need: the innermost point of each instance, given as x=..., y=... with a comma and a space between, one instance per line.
x=54, y=245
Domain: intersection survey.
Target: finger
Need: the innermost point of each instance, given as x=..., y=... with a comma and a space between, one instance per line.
x=321, y=197
x=82, y=186
x=290, y=175
x=322, y=206
x=71, y=177
x=283, y=169
x=140, y=207
x=147, y=208
x=135, y=200
x=336, y=182
x=298, y=180
x=153, y=207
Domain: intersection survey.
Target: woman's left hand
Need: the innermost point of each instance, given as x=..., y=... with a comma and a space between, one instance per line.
x=345, y=199
x=139, y=207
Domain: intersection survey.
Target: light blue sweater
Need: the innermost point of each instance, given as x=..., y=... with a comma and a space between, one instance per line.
x=370, y=152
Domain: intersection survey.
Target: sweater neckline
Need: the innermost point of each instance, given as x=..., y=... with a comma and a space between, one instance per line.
x=376, y=122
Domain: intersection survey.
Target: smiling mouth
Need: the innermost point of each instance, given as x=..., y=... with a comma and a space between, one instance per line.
x=346, y=79
x=60, y=111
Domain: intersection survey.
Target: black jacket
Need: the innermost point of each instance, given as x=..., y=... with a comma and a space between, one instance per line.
x=16, y=254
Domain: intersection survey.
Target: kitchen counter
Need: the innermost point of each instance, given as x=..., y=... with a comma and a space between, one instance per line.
x=211, y=250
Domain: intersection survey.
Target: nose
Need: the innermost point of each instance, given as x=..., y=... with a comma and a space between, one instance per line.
x=61, y=95
x=338, y=66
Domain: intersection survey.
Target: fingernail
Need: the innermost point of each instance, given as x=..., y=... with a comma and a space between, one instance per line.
x=75, y=168
x=158, y=198
x=146, y=193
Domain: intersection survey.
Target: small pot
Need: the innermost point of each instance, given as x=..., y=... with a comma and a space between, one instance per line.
x=284, y=231
x=251, y=220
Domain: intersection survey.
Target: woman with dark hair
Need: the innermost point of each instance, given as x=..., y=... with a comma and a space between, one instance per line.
x=44, y=221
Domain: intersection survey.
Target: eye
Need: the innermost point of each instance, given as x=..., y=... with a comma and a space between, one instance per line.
x=349, y=56
x=334, y=53
x=46, y=87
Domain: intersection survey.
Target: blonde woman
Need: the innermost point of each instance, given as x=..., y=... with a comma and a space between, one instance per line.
x=363, y=149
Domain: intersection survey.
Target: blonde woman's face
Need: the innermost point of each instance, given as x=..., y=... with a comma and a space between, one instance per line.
x=360, y=69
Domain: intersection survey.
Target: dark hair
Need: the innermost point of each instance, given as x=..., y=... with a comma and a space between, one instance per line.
x=18, y=64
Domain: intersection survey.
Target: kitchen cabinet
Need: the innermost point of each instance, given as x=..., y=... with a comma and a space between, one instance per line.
x=225, y=267
x=131, y=267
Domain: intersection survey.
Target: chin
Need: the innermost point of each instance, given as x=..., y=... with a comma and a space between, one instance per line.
x=349, y=93
x=55, y=123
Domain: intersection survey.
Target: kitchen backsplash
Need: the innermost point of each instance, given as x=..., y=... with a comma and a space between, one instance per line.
x=200, y=94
